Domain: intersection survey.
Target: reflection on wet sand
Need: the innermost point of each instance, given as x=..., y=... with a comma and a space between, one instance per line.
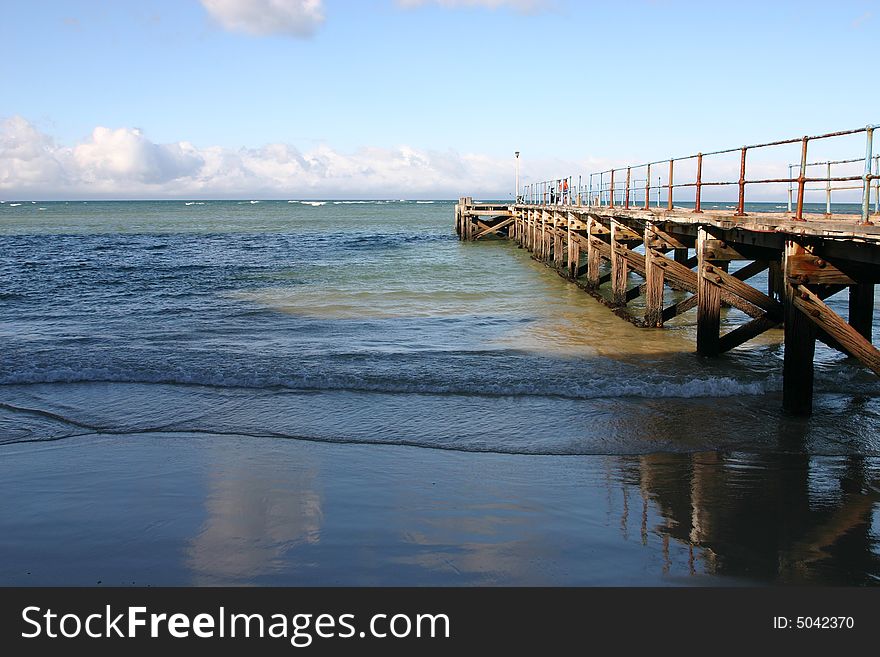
x=254, y=518
x=296, y=515
x=785, y=518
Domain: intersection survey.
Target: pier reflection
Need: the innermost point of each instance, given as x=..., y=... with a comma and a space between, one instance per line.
x=783, y=518
x=413, y=517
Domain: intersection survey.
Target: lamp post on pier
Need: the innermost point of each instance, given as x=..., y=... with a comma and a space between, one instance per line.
x=516, y=190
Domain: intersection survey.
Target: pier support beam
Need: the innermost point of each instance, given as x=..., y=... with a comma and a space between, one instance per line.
x=619, y=269
x=861, y=308
x=574, y=248
x=654, y=279
x=593, y=255
x=775, y=281
x=530, y=231
x=708, y=300
x=800, y=346
x=546, y=218
x=559, y=235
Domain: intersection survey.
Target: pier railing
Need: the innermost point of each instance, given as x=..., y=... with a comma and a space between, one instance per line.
x=631, y=186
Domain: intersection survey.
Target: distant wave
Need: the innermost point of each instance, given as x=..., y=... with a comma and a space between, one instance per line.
x=194, y=203
x=424, y=202
x=314, y=204
x=14, y=205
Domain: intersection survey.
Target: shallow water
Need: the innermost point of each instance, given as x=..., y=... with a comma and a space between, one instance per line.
x=371, y=323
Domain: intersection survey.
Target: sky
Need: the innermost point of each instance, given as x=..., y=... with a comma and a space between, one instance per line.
x=409, y=98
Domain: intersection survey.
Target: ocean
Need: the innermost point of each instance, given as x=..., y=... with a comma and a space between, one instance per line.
x=270, y=361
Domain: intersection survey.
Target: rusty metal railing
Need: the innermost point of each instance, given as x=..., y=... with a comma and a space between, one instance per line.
x=829, y=188
x=624, y=185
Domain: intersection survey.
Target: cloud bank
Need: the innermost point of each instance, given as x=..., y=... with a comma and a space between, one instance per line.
x=124, y=163
x=297, y=18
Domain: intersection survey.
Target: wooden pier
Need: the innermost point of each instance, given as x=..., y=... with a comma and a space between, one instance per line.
x=807, y=261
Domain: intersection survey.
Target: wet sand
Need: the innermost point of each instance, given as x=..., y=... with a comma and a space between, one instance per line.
x=183, y=509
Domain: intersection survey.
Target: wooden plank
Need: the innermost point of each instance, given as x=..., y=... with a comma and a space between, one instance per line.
x=625, y=233
x=636, y=291
x=732, y=284
x=635, y=261
x=720, y=250
x=494, y=228
x=679, y=308
x=708, y=303
x=806, y=268
x=678, y=275
x=663, y=238
x=800, y=349
x=750, y=270
x=819, y=314
x=597, y=228
x=490, y=214
x=861, y=308
x=746, y=332
x=603, y=247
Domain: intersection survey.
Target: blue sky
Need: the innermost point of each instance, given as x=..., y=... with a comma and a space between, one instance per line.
x=451, y=87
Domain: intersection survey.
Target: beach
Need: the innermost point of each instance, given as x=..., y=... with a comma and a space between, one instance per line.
x=204, y=510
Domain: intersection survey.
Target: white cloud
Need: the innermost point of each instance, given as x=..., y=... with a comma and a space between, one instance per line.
x=126, y=155
x=524, y=6
x=124, y=163
x=298, y=18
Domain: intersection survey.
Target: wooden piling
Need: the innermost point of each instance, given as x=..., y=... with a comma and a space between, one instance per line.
x=775, y=282
x=708, y=300
x=593, y=256
x=619, y=268
x=558, y=240
x=861, y=308
x=800, y=346
x=574, y=249
x=654, y=277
